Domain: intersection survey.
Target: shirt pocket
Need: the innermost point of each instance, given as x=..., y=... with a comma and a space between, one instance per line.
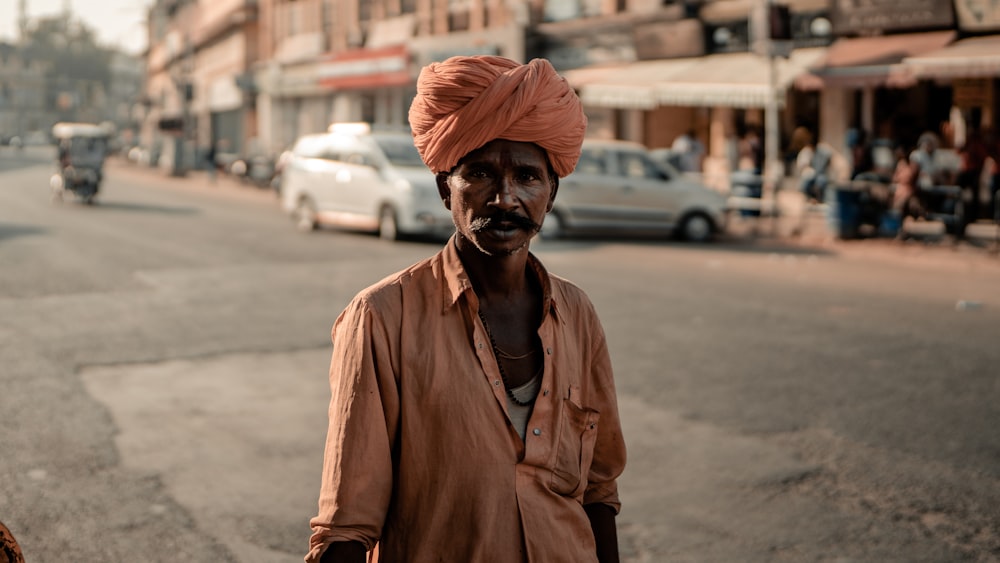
x=574, y=449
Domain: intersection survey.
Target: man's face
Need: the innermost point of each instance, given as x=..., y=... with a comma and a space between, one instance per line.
x=499, y=194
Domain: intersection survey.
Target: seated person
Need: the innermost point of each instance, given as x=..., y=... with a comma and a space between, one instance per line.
x=813, y=164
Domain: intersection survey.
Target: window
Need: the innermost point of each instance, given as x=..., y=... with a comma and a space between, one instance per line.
x=637, y=165
x=313, y=146
x=400, y=152
x=359, y=159
x=592, y=162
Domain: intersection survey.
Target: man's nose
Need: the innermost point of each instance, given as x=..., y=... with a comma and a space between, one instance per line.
x=505, y=194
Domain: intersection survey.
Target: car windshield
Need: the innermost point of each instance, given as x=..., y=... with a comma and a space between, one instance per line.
x=399, y=150
x=311, y=146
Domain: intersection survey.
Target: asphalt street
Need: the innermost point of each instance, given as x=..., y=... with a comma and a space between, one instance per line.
x=163, y=390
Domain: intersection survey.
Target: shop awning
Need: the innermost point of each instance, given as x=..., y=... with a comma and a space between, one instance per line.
x=976, y=57
x=628, y=86
x=870, y=61
x=734, y=80
x=731, y=80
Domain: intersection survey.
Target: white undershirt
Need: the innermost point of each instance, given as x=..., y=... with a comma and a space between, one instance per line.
x=525, y=393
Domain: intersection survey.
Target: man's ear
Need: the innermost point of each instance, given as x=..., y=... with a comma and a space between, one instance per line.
x=444, y=190
x=552, y=195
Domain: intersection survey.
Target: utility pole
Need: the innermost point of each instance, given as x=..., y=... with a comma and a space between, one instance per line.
x=22, y=20
x=773, y=40
x=185, y=93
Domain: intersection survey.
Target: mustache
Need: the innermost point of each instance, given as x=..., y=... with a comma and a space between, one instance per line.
x=519, y=221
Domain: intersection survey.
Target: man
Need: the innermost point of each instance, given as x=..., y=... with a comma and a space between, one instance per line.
x=974, y=153
x=929, y=173
x=473, y=414
x=691, y=151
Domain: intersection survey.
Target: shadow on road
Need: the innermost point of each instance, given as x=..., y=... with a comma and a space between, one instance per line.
x=143, y=208
x=723, y=243
x=13, y=231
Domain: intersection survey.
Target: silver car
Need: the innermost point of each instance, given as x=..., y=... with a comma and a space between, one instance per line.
x=351, y=177
x=617, y=187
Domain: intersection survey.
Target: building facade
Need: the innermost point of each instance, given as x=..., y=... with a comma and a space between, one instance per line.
x=261, y=74
x=22, y=94
x=358, y=60
x=200, y=90
x=660, y=70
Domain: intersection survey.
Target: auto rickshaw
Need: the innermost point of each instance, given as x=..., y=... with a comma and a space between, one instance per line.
x=82, y=148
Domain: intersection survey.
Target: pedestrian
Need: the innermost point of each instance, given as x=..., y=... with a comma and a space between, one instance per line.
x=862, y=161
x=973, y=153
x=906, y=192
x=473, y=414
x=210, y=161
x=752, y=151
x=812, y=165
x=993, y=144
x=929, y=172
x=691, y=151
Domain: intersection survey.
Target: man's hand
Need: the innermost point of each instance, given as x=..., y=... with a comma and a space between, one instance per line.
x=344, y=552
x=602, y=522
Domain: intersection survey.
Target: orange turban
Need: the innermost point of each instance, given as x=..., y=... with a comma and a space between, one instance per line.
x=465, y=102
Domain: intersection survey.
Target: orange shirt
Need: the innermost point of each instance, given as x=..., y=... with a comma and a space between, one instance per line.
x=421, y=456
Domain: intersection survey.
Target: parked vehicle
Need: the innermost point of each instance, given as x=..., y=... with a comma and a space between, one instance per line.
x=618, y=187
x=82, y=148
x=355, y=178
x=670, y=156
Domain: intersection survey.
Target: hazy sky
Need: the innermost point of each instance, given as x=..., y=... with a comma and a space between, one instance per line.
x=117, y=22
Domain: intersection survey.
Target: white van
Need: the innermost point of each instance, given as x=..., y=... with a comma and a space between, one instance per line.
x=354, y=178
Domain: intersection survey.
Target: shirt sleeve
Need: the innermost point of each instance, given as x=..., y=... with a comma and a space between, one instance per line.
x=357, y=467
x=609, y=449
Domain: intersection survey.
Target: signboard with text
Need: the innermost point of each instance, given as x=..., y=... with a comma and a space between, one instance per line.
x=878, y=16
x=367, y=68
x=978, y=15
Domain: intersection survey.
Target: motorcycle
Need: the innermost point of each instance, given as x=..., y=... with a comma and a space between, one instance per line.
x=82, y=148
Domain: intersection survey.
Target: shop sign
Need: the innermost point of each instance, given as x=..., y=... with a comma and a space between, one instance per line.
x=666, y=40
x=978, y=15
x=366, y=68
x=972, y=92
x=877, y=16
x=438, y=55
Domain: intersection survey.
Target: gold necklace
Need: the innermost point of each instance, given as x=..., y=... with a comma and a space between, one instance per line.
x=503, y=374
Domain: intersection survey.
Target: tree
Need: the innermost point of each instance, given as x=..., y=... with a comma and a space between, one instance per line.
x=79, y=68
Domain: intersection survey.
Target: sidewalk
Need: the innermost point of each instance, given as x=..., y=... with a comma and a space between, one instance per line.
x=794, y=229
x=801, y=226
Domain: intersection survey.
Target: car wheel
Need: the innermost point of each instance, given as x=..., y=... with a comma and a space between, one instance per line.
x=696, y=227
x=388, y=228
x=305, y=215
x=552, y=227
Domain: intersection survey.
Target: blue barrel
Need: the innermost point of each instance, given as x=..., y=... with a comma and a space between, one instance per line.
x=747, y=184
x=844, y=211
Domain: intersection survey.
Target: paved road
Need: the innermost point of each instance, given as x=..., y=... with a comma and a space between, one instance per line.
x=162, y=389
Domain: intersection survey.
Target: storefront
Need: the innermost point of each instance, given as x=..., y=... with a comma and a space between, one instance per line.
x=720, y=96
x=860, y=80
x=970, y=68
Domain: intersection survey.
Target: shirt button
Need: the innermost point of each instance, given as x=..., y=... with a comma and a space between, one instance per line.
x=480, y=345
x=548, y=351
x=537, y=432
x=497, y=383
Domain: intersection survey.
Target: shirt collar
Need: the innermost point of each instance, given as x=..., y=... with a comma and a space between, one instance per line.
x=456, y=279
